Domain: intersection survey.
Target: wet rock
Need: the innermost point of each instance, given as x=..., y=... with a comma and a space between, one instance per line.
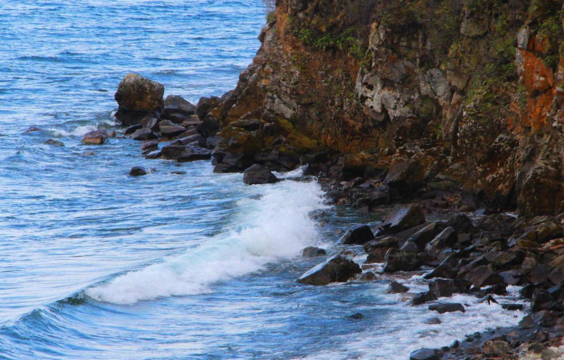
x=143, y=135
x=336, y=269
x=367, y=276
x=137, y=97
x=397, y=288
x=447, y=307
x=446, y=287
x=512, y=307
x=446, y=270
x=150, y=145
x=496, y=348
x=357, y=316
x=169, y=129
x=205, y=105
x=484, y=276
x=424, y=236
x=33, y=129
x=155, y=154
x=259, y=174
x=446, y=238
x=137, y=171
x=97, y=137
x=54, y=142
x=172, y=152
x=433, y=321
x=194, y=153
x=359, y=235
x=426, y=354
x=177, y=109
x=133, y=128
x=150, y=122
x=527, y=322
x=399, y=260
x=312, y=251
x=112, y=134
x=403, y=217
x=488, y=299
x=422, y=298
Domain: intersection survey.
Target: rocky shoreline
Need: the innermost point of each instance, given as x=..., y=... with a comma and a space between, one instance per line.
x=432, y=231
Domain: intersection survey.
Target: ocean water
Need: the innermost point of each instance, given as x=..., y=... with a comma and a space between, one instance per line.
x=95, y=264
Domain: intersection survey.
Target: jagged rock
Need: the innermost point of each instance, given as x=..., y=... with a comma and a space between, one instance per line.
x=403, y=217
x=447, y=238
x=209, y=126
x=397, y=288
x=137, y=171
x=447, y=307
x=194, y=153
x=446, y=270
x=483, y=276
x=502, y=260
x=259, y=174
x=359, y=235
x=382, y=243
x=424, y=236
x=155, y=154
x=144, y=135
x=170, y=129
x=97, y=137
x=205, y=105
x=399, y=260
x=336, y=269
x=426, y=354
x=137, y=97
x=312, y=251
x=446, y=288
x=177, y=109
x=461, y=223
x=54, y=142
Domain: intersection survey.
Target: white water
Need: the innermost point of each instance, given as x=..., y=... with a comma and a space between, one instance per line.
x=272, y=225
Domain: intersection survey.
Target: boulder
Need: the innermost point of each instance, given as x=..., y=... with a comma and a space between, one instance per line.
x=54, y=142
x=483, y=276
x=447, y=307
x=137, y=97
x=502, y=260
x=150, y=122
x=169, y=129
x=209, y=126
x=426, y=354
x=461, y=223
x=205, y=105
x=137, y=171
x=447, y=287
x=446, y=238
x=424, y=236
x=336, y=269
x=172, y=152
x=397, y=288
x=403, y=217
x=143, y=135
x=132, y=129
x=155, y=154
x=312, y=251
x=97, y=137
x=177, y=109
x=422, y=298
x=150, y=145
x=400, y=260
x=446, y=270
x=259, y=174
x=194, y=153
x=358, y=235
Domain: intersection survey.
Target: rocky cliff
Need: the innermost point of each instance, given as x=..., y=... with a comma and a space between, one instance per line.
x=463, y=96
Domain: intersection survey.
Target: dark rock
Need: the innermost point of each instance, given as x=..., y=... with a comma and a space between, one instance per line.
x=540, y=274
x=97, y=137
x=205, y=105
x=410, y=246
x=150, y=145
x=403, y=217
x=383, y=243
x=137, y=171
x=143, y=135
x=502, y=260
x=433, y=321
x=461, y=223
x=367, y=276
x=424, y=236
x=399, y=260
x=150, y=122
x=32, y=129
x=446, y=288
x=312, y=251
x=356, y=316
x=177, y=172
x=359, y=235
x=496, y=348
x=169, y=129
x=447, y=307
x=177, y=109
x=426, y=354
x=541, y=300
x=396, y=288
x=155, y=154
x=446, y=270
x=133, y=128
x=489, y=299
x=209, y=126
x=194, y=153
x=172, y=152
x=336, y=269
x=527, y=322
x=422, y=298
x=54, y=142
x=249, y=125
x=259, y=174
x=557, y=275
x=484, y=276
x=446, y=238
x=512, y=307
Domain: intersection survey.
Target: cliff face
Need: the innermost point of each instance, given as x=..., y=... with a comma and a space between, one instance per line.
x=459, y=94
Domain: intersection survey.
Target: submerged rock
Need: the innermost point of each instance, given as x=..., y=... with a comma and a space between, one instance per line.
x=447, y=307
x=312, y=251
x=396, y=288
x=336, y=269
x=54, y=142
x=426, y=354
x=259, y=174
x=138, y=171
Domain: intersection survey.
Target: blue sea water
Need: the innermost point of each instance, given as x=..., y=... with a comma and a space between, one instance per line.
x=95, y=264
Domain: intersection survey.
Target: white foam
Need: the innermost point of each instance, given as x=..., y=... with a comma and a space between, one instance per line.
x=272, y=225
x=79, y=131
x=402, y=329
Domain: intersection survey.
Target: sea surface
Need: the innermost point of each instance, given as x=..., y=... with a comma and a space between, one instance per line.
x=95, y=264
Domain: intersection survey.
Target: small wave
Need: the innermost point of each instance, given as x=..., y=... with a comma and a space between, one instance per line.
x=273, y=227
x=79, y=131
